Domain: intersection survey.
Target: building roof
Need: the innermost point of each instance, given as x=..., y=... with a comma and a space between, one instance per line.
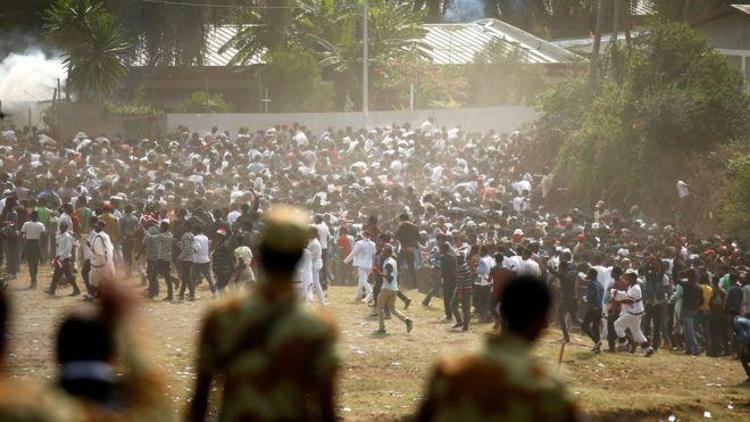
x=643, y=8
x=720, y=12
x=458, y=43
x=443, y=44
x=584, y=45
x=216, y=37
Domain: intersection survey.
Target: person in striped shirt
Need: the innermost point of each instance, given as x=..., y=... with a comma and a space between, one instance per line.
x=187, y=252
x=462, y=294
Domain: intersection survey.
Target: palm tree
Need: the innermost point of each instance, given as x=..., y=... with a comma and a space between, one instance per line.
x=97, y=67
x=263, y=28
x=394, y=29
x=94, y=45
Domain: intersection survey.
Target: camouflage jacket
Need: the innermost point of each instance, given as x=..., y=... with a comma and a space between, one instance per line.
x=501, y=382
x=275, y=358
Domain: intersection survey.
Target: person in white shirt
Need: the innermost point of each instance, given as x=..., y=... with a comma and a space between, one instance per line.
x=521, y=202
x=324, y=236
x=234, y=214
x=527, y=266
x=303, y=275
x=62, y=262
x=482, y=285
x=101, y=257
x=632, y=312
x=683, y=189
x=387, y=295
x=86, y=264
x=316, y=257
x=202, y=260
x=603, y=275
x=32, y=231
x=362, y=257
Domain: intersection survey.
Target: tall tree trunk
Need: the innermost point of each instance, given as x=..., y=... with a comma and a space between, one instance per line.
x=616, y=15
x=433, y=10
x=599, y=25
x=627, y=22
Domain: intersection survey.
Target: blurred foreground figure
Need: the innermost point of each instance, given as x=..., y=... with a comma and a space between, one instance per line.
x=275, y=359
x=502, y=382
x=21, y=402
x=742, y=335
x=101, y=364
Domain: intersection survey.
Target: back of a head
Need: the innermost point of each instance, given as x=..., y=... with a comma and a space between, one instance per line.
x=285, y=235
x=4, y=317
x=84, y=337
x=525, y=305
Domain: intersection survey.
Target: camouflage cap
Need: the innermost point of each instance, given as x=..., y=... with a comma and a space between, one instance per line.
x=287, y=228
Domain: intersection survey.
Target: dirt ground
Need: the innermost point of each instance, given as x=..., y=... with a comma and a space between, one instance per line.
x=382, y=377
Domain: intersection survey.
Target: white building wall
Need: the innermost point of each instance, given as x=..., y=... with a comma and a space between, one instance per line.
x=501, y=119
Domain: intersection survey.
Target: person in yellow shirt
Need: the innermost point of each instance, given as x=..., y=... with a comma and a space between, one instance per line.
x=704, y=312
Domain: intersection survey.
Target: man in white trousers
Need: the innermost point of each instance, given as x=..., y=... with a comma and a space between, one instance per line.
x=303, y=277
x=316, y=257
x=362, y=256
x=632, y=312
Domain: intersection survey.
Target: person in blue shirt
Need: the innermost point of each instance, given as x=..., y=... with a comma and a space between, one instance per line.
x=593, y=317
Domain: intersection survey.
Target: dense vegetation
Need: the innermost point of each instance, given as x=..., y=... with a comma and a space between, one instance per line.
x=661, y=108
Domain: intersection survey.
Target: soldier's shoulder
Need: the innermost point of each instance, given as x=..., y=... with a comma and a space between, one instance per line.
x=22, y=401
x=470, y=369
x=326, y=320
x=230, y=307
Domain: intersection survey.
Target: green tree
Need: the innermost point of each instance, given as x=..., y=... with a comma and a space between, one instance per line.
x=332, y=30
x=203, y=102
x=501, y=75
x=734, y=216
x=295, y=83
x=264, y=28
x=394, y=30
x=93, y=42
x=676, y=97
x=169, y=33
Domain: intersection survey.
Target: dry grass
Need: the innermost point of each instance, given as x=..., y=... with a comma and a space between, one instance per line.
x=382, y=377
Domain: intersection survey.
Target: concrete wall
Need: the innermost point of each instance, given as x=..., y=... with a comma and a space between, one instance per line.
x=502, y=119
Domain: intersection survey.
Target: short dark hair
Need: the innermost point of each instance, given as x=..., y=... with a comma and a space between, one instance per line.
x=84, y=337
x=525, y=300
x=274, y=260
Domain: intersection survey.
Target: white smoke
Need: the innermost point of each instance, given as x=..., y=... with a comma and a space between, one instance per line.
x=30, y=76
x=465, y=11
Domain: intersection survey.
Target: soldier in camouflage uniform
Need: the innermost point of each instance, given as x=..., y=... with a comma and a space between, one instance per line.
x=276, y=360
x=24, y=402
x=502, y=382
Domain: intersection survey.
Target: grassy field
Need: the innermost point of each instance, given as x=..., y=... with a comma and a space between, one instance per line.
x=382, y=377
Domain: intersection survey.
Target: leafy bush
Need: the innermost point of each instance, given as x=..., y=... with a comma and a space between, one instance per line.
x=435, y=86
x=295, y=83
x=203, y=102
x=734, y=216
x=628, y=140
x=136, y=106
x=500, y=75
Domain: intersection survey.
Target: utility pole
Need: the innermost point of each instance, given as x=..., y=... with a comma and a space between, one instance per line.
x=365, y=76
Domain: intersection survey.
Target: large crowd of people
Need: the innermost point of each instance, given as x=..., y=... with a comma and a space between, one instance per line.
x=451, y=212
